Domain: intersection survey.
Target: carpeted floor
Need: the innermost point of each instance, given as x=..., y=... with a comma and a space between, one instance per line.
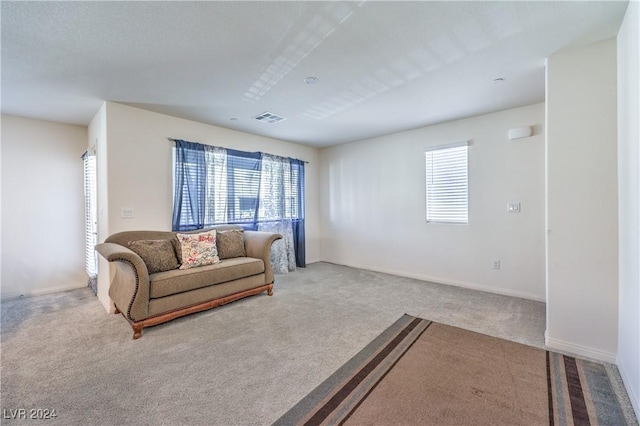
x=419, y=372
x=245, y=363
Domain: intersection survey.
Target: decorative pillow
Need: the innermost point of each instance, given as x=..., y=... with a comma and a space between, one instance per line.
x=158, y=255
x=198, y=249
x=230, y=243
x=178, y=248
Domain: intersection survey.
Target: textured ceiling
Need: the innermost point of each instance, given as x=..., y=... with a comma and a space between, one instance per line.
x=382, y=66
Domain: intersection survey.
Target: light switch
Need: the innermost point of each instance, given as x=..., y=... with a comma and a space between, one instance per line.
x=513, y=207
x=127, y=213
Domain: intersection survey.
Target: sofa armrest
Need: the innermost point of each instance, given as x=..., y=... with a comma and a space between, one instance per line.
x=258, y=244
x=129, y=287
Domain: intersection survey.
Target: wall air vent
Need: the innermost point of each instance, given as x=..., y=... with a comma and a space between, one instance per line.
x=267, y=117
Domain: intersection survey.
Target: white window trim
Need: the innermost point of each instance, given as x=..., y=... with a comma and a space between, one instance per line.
x=456, y=216
x=90, y=221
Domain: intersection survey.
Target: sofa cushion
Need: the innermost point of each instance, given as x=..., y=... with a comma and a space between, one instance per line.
x=158, y=255
x=161, y=305
x=198, y=249
x=230, y=244
x=178, y=281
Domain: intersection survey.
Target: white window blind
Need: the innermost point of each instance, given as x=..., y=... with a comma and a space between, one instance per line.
x=447, y=183
x=90, y=212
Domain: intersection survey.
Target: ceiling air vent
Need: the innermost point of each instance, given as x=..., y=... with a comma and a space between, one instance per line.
x=267, y=117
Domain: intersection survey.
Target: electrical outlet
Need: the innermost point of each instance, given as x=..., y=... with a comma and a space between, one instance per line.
x=513, y=207
x=127, y=213
x=495, y=264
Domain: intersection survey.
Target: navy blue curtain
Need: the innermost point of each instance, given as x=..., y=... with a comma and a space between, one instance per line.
x=297, y=167
x=243, y=191
x=243, y=184
x=190, y=186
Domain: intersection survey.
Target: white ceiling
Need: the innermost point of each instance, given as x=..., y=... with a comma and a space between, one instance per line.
x=383, y=66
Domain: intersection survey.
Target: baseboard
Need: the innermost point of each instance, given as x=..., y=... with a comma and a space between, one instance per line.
x=40, y=292
x=633, y=396
x=106, y=304
x=583, y=351
x=440, y=280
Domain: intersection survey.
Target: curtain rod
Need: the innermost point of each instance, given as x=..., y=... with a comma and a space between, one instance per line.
x=173, y=140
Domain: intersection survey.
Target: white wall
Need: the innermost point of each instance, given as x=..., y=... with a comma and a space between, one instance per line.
x=140, y=165
x=582, y=217
x=43, y=207
x=373, y=206
x=97, y=141
x=629, y=202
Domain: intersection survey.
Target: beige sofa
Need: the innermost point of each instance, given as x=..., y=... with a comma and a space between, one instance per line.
x=149, y=299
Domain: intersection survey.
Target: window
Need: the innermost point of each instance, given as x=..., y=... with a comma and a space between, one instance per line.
x=90, y=219
x=241, y=188
x=247, y=206
x=255, y=190
x=447, y=183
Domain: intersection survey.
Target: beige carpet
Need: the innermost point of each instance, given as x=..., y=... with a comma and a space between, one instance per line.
x=246, y=363
x=419, y=372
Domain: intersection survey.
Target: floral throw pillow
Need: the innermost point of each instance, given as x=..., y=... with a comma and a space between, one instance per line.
x=198, y=249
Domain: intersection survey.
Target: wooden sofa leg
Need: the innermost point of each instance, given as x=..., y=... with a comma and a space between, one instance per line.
x=137, y=330
x=270, y=291
x=117, y=311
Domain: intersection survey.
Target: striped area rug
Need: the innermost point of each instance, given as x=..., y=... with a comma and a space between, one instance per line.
x=418, y=372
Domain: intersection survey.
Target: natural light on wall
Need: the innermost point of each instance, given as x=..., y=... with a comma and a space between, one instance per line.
x=90, y=211
x=447, y=183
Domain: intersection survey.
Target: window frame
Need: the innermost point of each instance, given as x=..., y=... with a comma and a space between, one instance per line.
x=456, y=211
x=236, y=191
x=90, y=167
